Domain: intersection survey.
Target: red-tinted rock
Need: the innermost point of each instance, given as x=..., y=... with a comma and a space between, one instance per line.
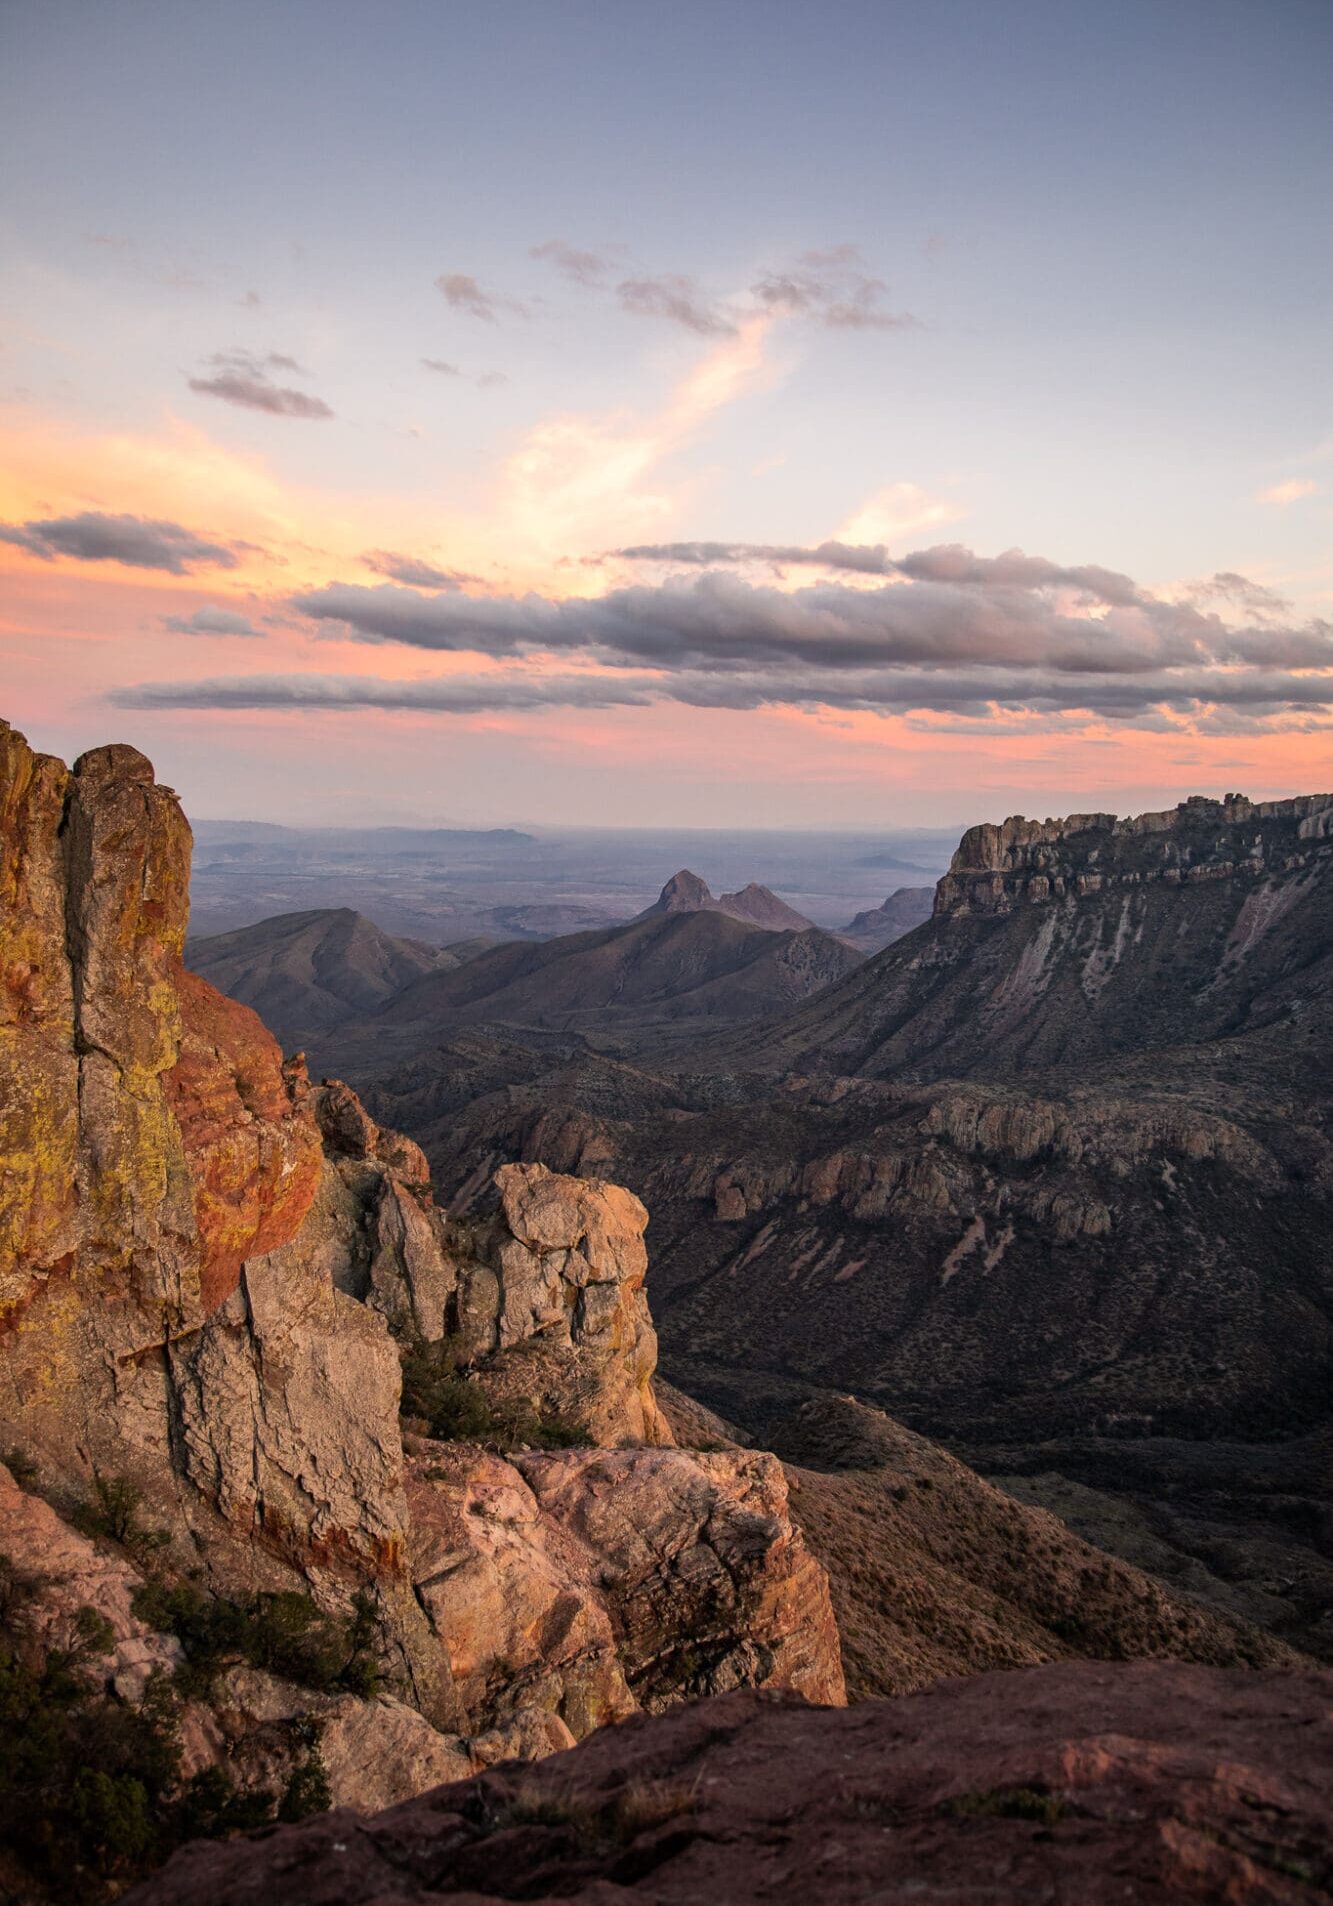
x=1081, y=1783
x=254, y=1158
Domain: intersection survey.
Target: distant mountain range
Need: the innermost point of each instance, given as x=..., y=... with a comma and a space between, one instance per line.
x=689, y=957
x=877, y=927
x=1052, y=1175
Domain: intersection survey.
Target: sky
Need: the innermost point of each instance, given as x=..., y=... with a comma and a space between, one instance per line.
x=743, y=414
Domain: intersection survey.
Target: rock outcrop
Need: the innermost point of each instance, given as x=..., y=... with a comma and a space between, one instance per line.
x=758, y=906
x=999, y=867
x=210, y=1272
x=1079, y=1782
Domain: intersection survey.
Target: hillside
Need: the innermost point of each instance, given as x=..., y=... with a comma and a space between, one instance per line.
x=304, y=972
x=665, y=972
x=1055, y=945
x=934, y=1572
x=877, y=927
x=1051, y=1177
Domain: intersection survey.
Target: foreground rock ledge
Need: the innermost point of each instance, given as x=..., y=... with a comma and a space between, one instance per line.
x=1077, y=1782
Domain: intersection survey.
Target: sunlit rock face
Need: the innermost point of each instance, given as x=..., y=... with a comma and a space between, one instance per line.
x=210, y=1269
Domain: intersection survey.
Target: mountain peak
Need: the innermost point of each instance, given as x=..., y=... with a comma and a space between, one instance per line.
x=761, y=906
x=683, y=893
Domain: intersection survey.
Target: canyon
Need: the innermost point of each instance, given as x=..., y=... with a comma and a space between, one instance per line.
x=337, y=1465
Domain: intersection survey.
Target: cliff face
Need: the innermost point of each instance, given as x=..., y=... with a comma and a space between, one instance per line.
x=210, y=1271
x=1052, y=1175
x=999, y=867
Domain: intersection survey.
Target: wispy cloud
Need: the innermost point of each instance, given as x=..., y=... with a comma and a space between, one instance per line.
x=678, y=300
x=138, y=542
x=413, y=571
x=832, y=288
x=453, y=694
x=1291, y=491
x=580, y=267
x=462, y=292
x=441, y=367
x=211, y=620
x=242, y=378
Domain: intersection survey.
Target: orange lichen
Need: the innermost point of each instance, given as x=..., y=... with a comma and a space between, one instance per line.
x=253, y=1156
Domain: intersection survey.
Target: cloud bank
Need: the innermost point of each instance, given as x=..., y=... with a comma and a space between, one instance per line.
x=947, y=631
x=139, y=542
x=211, y=620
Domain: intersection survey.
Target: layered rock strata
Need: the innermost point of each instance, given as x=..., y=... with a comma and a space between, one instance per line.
x=998, y=867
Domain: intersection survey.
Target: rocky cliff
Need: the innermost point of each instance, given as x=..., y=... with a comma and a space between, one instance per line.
x=214, y=1274
x=999, y=867
x=1051, y=1176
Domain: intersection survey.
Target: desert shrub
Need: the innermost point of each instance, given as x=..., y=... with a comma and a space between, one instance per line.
x=113, y=1511
x=307, y=1791
x=284, y=1633
x=91, y=1796
x=456, y=1409
x=21, y=1467
x=639, y=1807
x=1009, y=1803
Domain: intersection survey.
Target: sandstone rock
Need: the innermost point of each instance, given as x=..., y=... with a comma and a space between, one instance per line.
x=709, y=1584
x=562, y=1279
x=511, y=1594
x=1150, y=1782
x=375, y=1752
x=254, y=1159
x=590, y=1583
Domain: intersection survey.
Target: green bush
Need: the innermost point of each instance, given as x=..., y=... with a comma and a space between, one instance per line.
x=284, y=1633
x=113, y=1513
x=456, y=1409
x=91, y=1797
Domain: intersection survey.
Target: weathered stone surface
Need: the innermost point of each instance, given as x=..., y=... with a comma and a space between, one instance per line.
x=708, y=1582
x=288, y=1412
x=254, y=1159
x=375, y=1752
x=562, y=1276
x=595, y=1582
x=1100, y=1784
x=511, y=1594
x=997, y=867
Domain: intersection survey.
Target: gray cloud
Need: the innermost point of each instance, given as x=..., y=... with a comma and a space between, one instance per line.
x=830, y=288
x=139, y=542
x=414, y=572
x=240, y=377
x=211, y=621
x=582, y=267
x=461, y=292
x=1231, y=706
x=675, y=298
x=439, y=365
x=944, y=563
x=999, y=631
x=870, y=559
x=455, y=694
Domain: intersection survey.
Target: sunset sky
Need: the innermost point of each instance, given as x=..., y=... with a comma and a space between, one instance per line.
x=746, y=414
